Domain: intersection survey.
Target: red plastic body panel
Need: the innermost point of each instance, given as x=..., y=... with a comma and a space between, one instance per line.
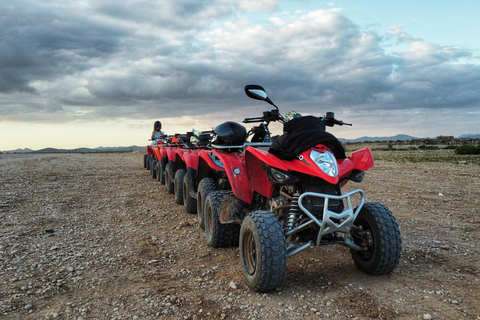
x=361, y=159
x=306, y=166
x=191, y=158
x=237, y=174
x=204, y=155
x=180, y=153
x=163, y=153
x=149, y=150
x=171, y=151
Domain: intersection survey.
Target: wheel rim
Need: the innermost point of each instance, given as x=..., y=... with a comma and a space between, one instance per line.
x=365, y=239
x=249, y=252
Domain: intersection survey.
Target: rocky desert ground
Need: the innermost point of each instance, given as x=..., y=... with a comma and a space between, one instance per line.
x=93, y=236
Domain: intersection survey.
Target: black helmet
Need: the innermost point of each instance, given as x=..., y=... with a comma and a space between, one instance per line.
x=230, y=134
x=157, y=125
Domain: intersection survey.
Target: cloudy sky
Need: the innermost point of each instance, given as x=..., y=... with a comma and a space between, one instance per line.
x=91, y=73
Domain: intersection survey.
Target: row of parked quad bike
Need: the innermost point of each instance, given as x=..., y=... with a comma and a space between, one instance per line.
x=275, y=197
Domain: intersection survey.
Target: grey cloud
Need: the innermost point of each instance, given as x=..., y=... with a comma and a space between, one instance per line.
x=134, y=59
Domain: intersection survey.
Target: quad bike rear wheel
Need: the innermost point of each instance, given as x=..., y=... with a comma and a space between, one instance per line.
x=189, y=202
x=161, y=170
x=205, y=186
x=145, y=158
x=263, y=251
x=149, y=159
x=153, y=168
x=377, y=231
x=169, y=176
x=218, y=234
x=178, y=185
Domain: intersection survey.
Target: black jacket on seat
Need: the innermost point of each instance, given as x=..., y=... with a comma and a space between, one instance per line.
x=301, y=134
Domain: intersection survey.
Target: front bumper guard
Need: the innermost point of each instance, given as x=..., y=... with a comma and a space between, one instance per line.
x=331, y=222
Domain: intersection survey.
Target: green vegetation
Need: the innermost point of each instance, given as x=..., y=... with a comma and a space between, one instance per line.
x=468, y=149
x=413, y=151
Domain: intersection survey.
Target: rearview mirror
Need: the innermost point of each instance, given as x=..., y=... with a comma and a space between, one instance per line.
x=257, y=92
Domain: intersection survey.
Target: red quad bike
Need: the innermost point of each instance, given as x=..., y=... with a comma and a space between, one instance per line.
x=197, y=172
x=151, y=157
x=289, y=198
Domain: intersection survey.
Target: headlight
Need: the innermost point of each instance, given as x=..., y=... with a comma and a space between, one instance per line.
x=325, y=161
x=279, y=176
x=216, y=160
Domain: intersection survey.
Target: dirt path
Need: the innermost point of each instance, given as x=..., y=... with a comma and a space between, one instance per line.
x=93, y=236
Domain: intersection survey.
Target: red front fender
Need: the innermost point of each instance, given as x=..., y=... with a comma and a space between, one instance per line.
x=234, y=165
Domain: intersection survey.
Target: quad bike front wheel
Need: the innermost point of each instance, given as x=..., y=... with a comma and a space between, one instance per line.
x=169, y=176
x=218, y=234
x=377, y=231
x=205, y=186
x=178, y=185
x=189, y=202
x=263, y=251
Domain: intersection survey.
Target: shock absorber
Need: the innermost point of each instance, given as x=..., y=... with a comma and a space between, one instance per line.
x=293, y=213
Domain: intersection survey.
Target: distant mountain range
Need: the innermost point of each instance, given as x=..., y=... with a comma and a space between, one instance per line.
x=401, y=137
x=398, y=137
x=80, y=150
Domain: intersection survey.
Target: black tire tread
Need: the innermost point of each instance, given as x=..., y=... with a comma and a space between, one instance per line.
x=221, y=235
x=273, y=264
x=205, y=186
x=169, y=175
x=178, y=186
x=189, y=202
x=387, y=257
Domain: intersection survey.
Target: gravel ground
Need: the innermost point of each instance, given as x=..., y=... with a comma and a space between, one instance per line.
x=93, y=236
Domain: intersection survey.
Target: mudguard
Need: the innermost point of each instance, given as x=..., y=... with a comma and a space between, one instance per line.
x=361, y=160
x=204, y=155
x=237, y=174
x=171, y=151
x=190, y=157
x=150, y=151
x=180, y=153
x=163, y=153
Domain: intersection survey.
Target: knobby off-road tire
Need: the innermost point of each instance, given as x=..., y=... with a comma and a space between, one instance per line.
x=153, y=168
x=263, y=251
x=219, y=235
x=169, y=176
x=161, y=170
x=205, y=186
x=382, y=238
x=189, y=202
x=149, y=159
x=178, y=186
x=145, y=158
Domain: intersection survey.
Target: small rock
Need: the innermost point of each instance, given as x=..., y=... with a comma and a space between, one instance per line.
x=28, y=306
x=427, y=316
x=233, y=285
